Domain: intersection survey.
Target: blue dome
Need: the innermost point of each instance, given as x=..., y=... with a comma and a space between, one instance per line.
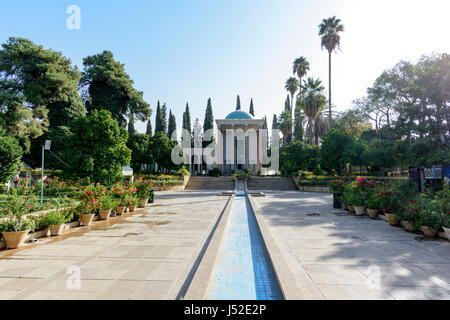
x=239, y=115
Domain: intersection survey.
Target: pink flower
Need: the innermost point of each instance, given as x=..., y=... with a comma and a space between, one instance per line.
x=30, y=207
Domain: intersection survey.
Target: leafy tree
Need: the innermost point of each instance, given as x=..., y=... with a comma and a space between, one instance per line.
x=107, y=86
x=172, y=127
x=298, y=156
x=329, y=31
x=139, y=144
x=238, y=103
x=38, y=88
x=353, y=122
x=98, y=147
x=10, y=157
x=131, y=129
x=161, y=150
x=149, y=129
x=252, y=110
x=334, y=153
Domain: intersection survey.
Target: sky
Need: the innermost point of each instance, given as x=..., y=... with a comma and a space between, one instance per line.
x=189, y=51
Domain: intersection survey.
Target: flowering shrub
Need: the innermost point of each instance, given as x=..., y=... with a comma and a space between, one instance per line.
x=144, y=188
x=91, y=197
x=430, y=219
x=336, y=185
x=17, y=207
x=410, y=212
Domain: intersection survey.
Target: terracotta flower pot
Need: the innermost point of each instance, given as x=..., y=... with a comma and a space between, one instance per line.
x=132, y=208
x=56, y=229
x=373, y=213
x=447, y=232
x=429, y=232
x=351, y=209
x=15, y=239
x=120, y=210
x=392, y=219
x=143, y=203
x=409, y=226
x=86, y=219
x=359, y=210
x=104, y=214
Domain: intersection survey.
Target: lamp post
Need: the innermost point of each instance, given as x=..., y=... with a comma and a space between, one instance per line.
x=47, y=145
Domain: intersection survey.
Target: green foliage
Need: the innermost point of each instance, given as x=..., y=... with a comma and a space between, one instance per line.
x=172, y=126
x=298, y=156
x=98, y=147
x=109, y=203
x=10, y=157
x=214, y=173
x=140, y=146
x=334, y=153
x=161, y=150
x=109, y=87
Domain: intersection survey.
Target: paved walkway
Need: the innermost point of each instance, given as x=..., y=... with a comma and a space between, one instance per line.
x=145, y=256
x=336, y=256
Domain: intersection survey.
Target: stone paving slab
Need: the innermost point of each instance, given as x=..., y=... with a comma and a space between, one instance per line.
x=147, y=255
x=339, y=256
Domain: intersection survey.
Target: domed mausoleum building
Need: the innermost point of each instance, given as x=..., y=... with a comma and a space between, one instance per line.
x=238, y=142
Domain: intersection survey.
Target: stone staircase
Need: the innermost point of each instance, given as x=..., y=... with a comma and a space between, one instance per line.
x=271, y=183
x=210, y=183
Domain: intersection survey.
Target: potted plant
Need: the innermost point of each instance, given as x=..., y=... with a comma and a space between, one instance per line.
x=16, y=227
x=442, y=205
x=430, y=222
x=108, y=204
x=409, y=215
x=56, y=221
x=144, y=191
x=91, y=198
x=120, y=194
x=374, y=203
x=336, y=187
x=132, y=202
x=356, y=198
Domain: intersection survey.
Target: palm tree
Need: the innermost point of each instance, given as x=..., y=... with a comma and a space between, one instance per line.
x=285, y=125
x=292, y=86
x=312, y=102
x=301, y=67
x=329, y=31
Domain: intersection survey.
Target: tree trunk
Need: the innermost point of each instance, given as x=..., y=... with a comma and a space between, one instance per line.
x=329, y=86
x=292, y=117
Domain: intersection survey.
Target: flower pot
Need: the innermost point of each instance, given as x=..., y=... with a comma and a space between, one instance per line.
x=86, y=219
x=447, y=232
x=359, y=210
x=143, y=203
x=373, y=213
x=56, y=229
x=409, y=225
x=104, y=214
x=351, y=209
x=132, y=208
x=120, y=210
x=391, y=218
x=336, y=203
x=429, y=232
x=15, y=239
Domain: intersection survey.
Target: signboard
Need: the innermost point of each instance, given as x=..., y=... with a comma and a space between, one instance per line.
x=127, y=171
x=437, y=173
x=429, y=173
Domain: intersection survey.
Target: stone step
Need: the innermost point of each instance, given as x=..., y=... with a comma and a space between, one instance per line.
x=210, y=183
x=271, y=183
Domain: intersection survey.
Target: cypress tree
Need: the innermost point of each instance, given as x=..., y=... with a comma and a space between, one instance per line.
x=187, y=118
x=298, y=125
x=209, y=118
x=252, y=111
x=164, y=118
x=238, y=103
x=287, y=104
x=275, y=122
x=158, y=120
x=172, y=125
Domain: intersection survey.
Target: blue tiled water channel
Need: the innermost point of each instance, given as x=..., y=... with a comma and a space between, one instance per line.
x=243, y=270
